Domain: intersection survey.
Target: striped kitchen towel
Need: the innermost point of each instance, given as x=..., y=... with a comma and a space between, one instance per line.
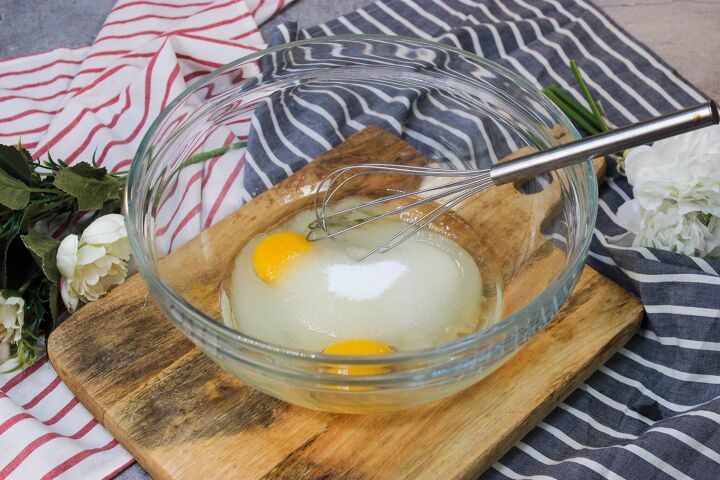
x=98, y=101
x=653, y=410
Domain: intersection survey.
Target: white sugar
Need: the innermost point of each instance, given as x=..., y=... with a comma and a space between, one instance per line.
x=363, y=281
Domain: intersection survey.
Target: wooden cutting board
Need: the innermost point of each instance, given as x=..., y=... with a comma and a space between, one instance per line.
x=182, y=417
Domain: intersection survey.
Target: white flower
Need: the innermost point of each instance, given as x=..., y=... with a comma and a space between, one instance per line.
x=676, y=185
x=93, y=263
x=668, y=228
x=684, y=169
x=12, y=317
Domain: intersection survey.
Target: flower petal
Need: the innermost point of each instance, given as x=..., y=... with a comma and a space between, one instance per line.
x=120, y=249
x=66, y=256
x=104, y=230
x=69, y=298
x=88, y=254
x=628, y=216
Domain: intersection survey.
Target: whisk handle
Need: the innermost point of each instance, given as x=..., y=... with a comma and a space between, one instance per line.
x=606, y=143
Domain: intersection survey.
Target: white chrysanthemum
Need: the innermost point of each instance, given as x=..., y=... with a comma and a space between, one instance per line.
x=668, y=228
x=676, y=185
x=684, y=169
x=93, y=263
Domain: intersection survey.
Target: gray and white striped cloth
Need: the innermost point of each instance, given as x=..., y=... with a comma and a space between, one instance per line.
x=653, y=410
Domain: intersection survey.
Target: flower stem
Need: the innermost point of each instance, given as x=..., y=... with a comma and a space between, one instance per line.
x=588, y=96
x=121, y=176
x=574, y=106
x=202, y=156
x=44, y=190
x=27, y=284
x=569, y=109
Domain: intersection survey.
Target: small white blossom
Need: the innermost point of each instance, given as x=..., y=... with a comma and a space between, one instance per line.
x=93, y=263
x=12, y=317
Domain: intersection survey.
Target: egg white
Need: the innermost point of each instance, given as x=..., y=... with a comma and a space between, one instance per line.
x=424, y=292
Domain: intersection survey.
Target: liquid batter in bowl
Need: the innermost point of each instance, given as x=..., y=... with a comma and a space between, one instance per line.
x=310, y=295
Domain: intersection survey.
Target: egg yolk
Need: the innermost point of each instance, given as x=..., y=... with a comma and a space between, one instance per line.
x=358, y=347
x=273, y=254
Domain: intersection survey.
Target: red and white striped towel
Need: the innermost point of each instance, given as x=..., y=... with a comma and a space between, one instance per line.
x=100, y=99
x=45, y=433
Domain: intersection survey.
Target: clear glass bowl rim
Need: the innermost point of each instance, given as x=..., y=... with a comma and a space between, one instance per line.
x=158, y=284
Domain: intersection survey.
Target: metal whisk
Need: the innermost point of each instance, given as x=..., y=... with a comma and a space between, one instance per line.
x=466, y=183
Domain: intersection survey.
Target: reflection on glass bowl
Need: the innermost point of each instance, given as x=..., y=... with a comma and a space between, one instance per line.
x=266, y=116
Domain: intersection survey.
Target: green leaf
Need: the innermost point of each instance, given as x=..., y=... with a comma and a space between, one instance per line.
x=31, y=214
x=90, y=185
x=113, y=206
x=14, y=163
x=14, y=194
x=86, y=170
x=25, y=154
x=44, y=250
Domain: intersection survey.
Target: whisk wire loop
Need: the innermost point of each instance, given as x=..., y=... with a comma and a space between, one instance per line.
x=321, y=212
x=322, y=227
x=416, y=225
x=330, y=224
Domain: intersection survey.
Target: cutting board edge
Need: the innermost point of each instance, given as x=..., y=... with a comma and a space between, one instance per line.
x=102, y=414
x=477, y=467
x=484, y=462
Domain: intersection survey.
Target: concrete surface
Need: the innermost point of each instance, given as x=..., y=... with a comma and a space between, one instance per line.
x=684, y=33
x=32, y=26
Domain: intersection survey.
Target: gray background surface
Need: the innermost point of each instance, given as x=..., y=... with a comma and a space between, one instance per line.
x=684, y=33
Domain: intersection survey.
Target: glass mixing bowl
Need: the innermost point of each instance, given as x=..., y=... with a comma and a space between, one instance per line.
x=252, y=123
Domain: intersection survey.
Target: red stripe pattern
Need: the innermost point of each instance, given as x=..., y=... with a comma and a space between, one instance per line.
x=101, y=99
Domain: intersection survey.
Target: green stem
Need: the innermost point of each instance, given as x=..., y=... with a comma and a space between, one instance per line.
x=588, y=96
x=40, y=165
x=121, y=176
x=45, y=190
x=202, y=156
x=579, y=120
x=25, y=285
x=575, y=105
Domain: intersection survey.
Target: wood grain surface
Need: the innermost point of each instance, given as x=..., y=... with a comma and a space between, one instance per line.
x=182, y=417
